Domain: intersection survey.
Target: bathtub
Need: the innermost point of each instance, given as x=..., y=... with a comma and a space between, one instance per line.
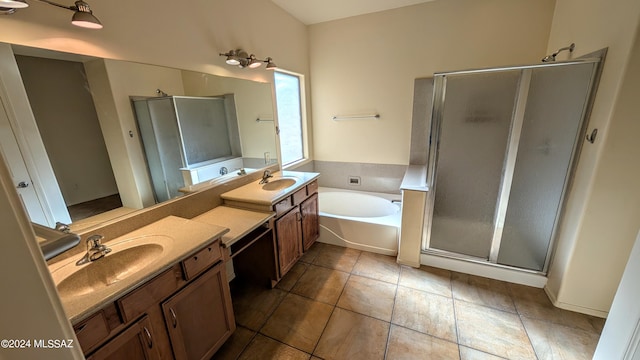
x=360, y=220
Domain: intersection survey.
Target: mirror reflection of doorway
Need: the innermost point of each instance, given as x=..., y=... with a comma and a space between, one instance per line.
x=63, y=107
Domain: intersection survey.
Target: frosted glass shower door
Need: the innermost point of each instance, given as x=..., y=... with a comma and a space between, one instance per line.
x=472, y=128
x=552, y=122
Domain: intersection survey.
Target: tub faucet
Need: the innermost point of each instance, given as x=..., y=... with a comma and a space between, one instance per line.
x=265, y=177
x=95, y=250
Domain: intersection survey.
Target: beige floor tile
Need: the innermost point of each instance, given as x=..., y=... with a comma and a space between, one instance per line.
x=336, y=257
x=482, y=291
x=312, y=253
x=534, y=303
x=353, y=336
x=235, y=345
x=253, y=305
x=408, y=344
x=368, y=297
x=321, y=284
x=492, y=331
x=425, y=312
x=473, y=354
x=298, y=322
x=291, y=278
x=262, y=348
x=426, y=278
x=377, y=266
x=553, y=341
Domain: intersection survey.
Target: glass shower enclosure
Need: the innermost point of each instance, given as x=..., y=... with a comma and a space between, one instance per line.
x=181, y=132
x=503, y=143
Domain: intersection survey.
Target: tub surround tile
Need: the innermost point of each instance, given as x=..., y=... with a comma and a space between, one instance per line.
x=492, y=331
x=534, y=303
x=353, y=336
x=377, y=266
x=298, y=321
x=482, y=291
x=425, y=312
x=426, y=278
x=336, y=257
x=321, y=284
x=384, y=178
x=553, y=341
x=368, y=297
x=264, y=348
x=473, y=354
x=409, y=344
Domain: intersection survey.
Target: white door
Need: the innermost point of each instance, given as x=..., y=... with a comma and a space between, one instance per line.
x=21, y=179
x=620, y=338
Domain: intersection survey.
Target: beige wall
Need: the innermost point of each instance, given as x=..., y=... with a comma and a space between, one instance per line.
x=158, y=32
x=148, y=31
x=603, y=211
x=367, y=64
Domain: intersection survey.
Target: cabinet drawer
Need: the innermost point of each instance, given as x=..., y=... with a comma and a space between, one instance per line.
x=312, y=187
x=202, y=260
x=92, y=331
x=299, y=196
x=151, y=293
x=283, y=206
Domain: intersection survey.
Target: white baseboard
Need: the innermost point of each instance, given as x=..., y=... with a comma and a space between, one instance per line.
x=574, y=308
x=489, y=271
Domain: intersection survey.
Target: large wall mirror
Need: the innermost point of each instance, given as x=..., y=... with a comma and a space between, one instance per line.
x=84, y=113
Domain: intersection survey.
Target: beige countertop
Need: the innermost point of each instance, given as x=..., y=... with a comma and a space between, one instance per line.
x=253, y=192
x=181, y=237
x=239, y=221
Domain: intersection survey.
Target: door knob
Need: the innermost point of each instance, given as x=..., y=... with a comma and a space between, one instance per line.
x=22, y=185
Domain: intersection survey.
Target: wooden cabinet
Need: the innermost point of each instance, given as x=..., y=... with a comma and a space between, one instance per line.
x=297, y=225
x=135, y=343
x=199, y=317
x=289, y=231
x=183, y=313
x=310, y=221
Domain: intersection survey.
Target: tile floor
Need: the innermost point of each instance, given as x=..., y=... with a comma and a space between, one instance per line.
x=339, y=303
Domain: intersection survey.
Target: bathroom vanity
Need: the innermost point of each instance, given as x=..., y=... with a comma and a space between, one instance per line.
x=162, y=292
x=293, y=197
x=154, y=296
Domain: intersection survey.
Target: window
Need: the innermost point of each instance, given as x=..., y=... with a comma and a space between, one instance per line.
x=290, y=109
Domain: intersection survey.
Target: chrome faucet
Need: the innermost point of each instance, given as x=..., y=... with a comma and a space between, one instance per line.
x=95, y=250
x=265, y=177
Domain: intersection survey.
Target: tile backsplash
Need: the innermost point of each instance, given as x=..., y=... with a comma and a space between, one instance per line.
x=383, y=178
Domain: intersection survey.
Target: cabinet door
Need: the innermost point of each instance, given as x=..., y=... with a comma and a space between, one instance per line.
x=200, y=316
x=310, y=221
x=135, y=343
x=288, y=235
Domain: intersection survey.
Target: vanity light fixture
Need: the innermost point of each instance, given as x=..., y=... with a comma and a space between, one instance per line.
x=8, y=7
x=82, y=14
x=242, y=59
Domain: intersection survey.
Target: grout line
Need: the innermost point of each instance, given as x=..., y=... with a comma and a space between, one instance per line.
x=393, y=310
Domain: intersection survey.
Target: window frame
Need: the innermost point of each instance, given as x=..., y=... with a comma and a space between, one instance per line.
x=303, y=120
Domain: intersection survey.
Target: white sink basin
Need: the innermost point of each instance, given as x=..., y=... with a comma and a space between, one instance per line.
x=278, y=184
x=127, y=257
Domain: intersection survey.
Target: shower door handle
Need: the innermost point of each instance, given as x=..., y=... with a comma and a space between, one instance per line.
x=22, y=185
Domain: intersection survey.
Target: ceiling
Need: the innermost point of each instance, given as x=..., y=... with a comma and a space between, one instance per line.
x=314, y=11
